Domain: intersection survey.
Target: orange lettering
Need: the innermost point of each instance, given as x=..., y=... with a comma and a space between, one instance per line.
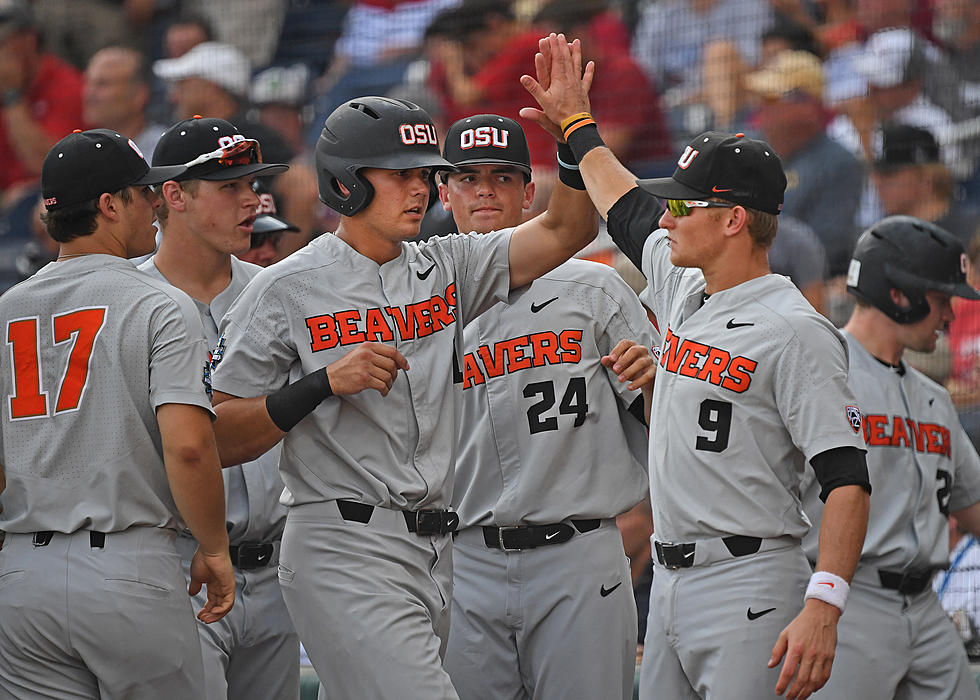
x=323, y=332
x=714, y=366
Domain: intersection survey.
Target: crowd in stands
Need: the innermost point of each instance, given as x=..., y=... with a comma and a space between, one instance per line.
x=873, y=105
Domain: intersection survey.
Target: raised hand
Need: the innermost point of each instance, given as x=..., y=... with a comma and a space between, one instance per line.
x=562, y=86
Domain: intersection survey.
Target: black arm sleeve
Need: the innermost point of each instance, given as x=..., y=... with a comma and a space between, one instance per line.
x=631, y=220
x=295, y=401
x=840, y=466
x=636, y=409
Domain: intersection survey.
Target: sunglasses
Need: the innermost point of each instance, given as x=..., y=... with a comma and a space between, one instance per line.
x=683, y=207
x=241, y=152
x=260, y=239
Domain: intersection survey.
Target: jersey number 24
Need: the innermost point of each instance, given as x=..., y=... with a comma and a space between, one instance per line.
x=29, y=400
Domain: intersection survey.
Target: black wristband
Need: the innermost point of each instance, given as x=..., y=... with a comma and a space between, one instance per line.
x=568, y=171
x=295, y=401
x=583, y=140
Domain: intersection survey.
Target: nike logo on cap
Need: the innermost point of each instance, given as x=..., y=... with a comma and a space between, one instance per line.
x=423, y=275
x=755, y=615
x=535, y=308
x=720, y=189
x=551, y=535
x=731, y=324
x=603, y=591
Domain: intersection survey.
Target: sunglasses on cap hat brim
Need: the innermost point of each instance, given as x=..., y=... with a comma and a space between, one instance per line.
x=240, y=158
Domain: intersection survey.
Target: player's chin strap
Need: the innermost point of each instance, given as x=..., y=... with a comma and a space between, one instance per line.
x=828, y=587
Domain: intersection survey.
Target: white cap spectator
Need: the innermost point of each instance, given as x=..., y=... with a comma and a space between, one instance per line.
x=287, y=85
x=218, y=63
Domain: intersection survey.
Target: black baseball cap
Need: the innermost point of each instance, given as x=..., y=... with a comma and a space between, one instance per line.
x=727, y=166
x=901, y=145
x=268, y=219
x=84, y=164
x=198, y=137
x=487, y=139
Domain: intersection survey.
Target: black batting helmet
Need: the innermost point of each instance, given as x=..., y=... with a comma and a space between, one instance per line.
x=913, y=256
x=372, y=132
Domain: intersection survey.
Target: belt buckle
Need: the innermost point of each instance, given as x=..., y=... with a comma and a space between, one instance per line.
x=500, y=538
x=671, y=555
x=254, y=555
x=428, y=522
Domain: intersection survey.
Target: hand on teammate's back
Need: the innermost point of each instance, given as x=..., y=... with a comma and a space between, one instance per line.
x=368, y=366
x=216, y=573
x=808, y=643
x=632, y=363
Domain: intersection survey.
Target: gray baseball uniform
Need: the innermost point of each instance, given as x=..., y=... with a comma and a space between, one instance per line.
x=751, y=385
x=922, y=465
x=89, y=575
x=253, y=651
x=368, y=598
x=547, y=440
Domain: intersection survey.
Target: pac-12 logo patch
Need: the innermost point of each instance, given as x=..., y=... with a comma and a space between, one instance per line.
x=854, y=417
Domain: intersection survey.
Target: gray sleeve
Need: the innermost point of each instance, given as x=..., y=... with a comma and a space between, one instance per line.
x=482, y=265
x=178, y=354
x=812, y=392
x=257, y=353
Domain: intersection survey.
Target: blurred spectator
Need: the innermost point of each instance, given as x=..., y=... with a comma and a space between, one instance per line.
x=267, y=231
x=184, y=33
x=624, y=102
x=797, y=253
x=784, y=35
x=75, y=30
x=824, y=180
x=380, y=39
x=964, y=344
x=251, y=26
x=695, y=51
x=115, y=95
x=910, y=179
x=956, y=23
x=309, y=33
x=40, y=102
x=212, y=79
x=281, y=95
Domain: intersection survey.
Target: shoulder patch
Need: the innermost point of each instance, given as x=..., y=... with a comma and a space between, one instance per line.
x=853, y=417
x=214, y=358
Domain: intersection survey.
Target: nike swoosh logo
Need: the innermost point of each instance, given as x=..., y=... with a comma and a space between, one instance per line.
x=551, y=536
x=930, y=401
x=689, y=555
x=731, y=324
x=826, y=583
x=719, y=189
x=535, y=308
x=603, y=591
x=423, y=275
x=755, y=615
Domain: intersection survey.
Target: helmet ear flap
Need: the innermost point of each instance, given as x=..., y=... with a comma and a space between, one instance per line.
x=360, y=191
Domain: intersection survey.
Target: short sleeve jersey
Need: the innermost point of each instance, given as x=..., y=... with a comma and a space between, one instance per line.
x=252, y=490
x=752, y=383
x=93, y=348
x=546, y=433
x=920, y=462
x=312, y=308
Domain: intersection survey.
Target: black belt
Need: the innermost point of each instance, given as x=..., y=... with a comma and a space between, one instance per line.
x=530, y=536
x=42, y=538
x=424, y=523
x=251, y=555
x=907, y=582
x=681, y=556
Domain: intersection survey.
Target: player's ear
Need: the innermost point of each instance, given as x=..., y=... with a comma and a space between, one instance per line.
x=444, y=196
x=173, y=195
x=736, y=220
x=899, y=299
x=343, y=190
x=107, y=206
x=528, y=196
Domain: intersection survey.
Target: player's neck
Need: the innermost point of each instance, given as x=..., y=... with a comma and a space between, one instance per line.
x=374, y=247
x=725, y=273
x=203, y=273
x=101, y=242
x=875, y=332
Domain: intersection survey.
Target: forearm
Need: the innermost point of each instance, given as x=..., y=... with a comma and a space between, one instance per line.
x=191, y=460
x=606, y=178
x=29, y=141
x=842, y=530
x=244, y=430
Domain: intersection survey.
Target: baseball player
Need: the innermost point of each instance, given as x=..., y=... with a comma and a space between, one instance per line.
x=922, y=466
x=751, y=387
x=348, y=348
x=208, y=213
x=267, y=230
x=107, y=447
x=549, y=455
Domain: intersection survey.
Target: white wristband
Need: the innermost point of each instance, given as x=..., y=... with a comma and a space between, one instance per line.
x=828, y=587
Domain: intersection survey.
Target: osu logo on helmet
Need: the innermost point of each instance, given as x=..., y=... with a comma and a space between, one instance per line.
x=418, y=134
